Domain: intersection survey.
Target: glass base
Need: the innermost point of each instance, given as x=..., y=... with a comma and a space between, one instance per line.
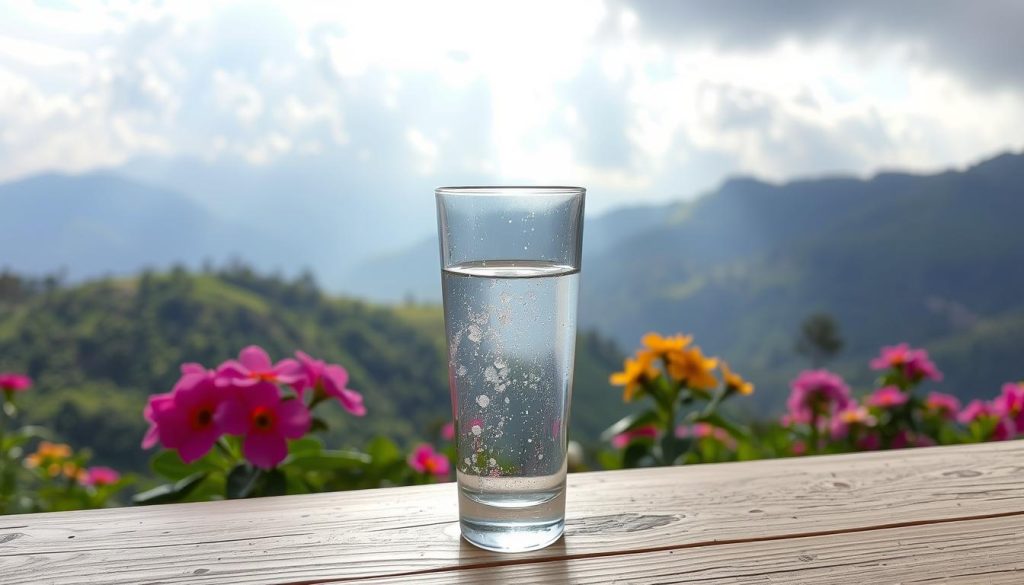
x=511, y=537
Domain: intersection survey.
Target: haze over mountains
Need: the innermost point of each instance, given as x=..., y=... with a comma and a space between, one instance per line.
x=932, y=259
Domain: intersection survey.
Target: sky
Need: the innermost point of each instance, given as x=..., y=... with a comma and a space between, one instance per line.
x=638, y=101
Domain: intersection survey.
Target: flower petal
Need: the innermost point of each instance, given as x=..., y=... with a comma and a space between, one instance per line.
x=192, y=368
x=260, y=394
x=255, y=358
x=265, y=450
x=233, y=373
x=173, y=427
x=152, y=437
x=293, y=418
x=232, y=417
x=335, y=377
x=289, y=371
x=196, y=446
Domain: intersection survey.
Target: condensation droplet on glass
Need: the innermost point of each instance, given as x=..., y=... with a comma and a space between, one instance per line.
x=529, y=440
x=499, y=363
x=506, y=400
x=483, y=400
x=476, y=430
x=492, y=462
x=491, y=375
x=475, y=333
x=461, y=371
x=540, y=456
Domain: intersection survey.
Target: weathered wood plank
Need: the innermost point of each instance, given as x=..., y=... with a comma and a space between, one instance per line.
x=987, y=551
x=300, y=539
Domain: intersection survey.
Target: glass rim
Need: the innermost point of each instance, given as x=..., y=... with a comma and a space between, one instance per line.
x=517, y=190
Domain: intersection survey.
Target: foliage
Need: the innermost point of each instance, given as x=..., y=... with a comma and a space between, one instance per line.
x=824, y=418
x=937, y=260
x=682, y=423
x=98, y=350
x=246, y=429
x=53, y=477
x=823, y=414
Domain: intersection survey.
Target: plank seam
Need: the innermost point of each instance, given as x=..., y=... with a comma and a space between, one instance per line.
x=700, y=544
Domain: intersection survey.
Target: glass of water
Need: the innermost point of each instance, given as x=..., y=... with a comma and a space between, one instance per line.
x=510, y=261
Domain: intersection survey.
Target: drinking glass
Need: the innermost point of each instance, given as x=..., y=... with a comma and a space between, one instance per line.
x=510, y=264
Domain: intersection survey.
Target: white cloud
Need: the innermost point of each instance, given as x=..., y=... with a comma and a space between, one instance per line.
x=237, y=97
x=584, y=94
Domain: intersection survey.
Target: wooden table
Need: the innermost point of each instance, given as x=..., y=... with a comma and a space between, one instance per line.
x=943, y=514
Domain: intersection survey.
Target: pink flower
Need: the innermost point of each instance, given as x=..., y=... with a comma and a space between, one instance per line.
x=253, y=366
x=448, y=431
x=97, y=476
x=913, y=363
x=10, y=382
x=1010, y=403
x=327, y=380
x=622, y=439
x=425, y=460
x=869, y=443
x=266, y=421
x=901, y=440
x=799, y=447
x=976, y=410
x=817, y=393
x=184, y=419
x=156, y=403
x=888, y=397
x=943, y=405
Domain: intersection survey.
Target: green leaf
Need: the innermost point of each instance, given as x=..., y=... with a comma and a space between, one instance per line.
x=297, y=484
x=328, y=460
x=672, y=447
x=171, y=492
x=716, y=419
x=242, y=481
x=609, y=460
x=383, y=450
x=304, y=447
x=634, y=454
x=274, y=483
x=628, y=423
x=318, y=425
x=169, y=465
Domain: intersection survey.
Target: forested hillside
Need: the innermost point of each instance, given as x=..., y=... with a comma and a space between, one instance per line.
x=97, y=350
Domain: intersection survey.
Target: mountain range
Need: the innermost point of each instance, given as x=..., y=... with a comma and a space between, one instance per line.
x=936, y=260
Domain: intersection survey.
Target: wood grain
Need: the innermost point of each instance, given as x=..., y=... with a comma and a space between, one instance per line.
x=973, y=551
x=317, y=538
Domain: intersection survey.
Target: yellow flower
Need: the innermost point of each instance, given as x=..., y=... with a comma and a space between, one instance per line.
x=71, y=470
x=662, y=346
x=735, y=382
x=55, y=450
x=635, y=373
x=47, y=452
x=693, y=368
